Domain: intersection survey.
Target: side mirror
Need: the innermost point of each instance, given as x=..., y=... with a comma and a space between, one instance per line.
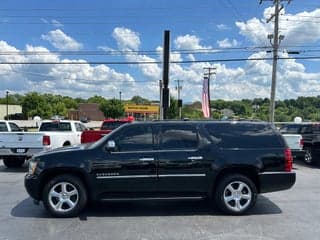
x=111, y=146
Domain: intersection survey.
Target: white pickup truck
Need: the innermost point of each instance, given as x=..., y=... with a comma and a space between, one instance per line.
x=17, y=146
x=295, y=143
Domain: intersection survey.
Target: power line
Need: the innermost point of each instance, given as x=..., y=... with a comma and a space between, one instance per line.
x=158, y=62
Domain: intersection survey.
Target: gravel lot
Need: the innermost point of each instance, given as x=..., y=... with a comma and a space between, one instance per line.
x=292, y=214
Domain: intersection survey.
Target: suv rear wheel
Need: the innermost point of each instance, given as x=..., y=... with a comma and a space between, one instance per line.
x=308, y=157
x=235, y=194
x=64, y=196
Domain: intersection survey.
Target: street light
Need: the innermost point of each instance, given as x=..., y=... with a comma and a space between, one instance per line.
x=7, y=95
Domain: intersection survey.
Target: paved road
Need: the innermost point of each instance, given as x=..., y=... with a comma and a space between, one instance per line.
x=292, y=214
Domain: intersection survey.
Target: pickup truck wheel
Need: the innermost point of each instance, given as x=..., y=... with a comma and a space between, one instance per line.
x=64, y=196
x=308, y=157
x=13, y=162
x=235, y=194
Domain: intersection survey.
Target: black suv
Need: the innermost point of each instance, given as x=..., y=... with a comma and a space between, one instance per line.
x=228, y=163
x=310, y=133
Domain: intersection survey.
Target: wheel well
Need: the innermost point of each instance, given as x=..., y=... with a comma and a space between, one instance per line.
x=48, y=175
x=249, y=172
x=67, y=143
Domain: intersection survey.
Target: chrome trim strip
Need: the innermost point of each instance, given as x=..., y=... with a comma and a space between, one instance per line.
x=183, y=175
x=150, y=198
x=152, y=176
x=127, y=176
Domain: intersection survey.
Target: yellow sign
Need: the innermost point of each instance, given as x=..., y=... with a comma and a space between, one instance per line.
x=141, y=109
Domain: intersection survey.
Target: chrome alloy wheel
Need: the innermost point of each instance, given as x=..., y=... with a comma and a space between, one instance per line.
x=63, y=197
x=308, y=157
x=237, y=196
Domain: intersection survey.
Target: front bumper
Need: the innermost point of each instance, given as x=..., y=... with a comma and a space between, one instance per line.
x=32, y=185
x=276, y=181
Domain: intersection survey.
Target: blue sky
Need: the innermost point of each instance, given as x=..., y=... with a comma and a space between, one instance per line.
x=97, y=31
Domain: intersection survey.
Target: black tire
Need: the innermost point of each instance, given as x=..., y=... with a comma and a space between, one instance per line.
x=63, y=199
x=308, y=156
x=13, y=162
x=222, y=193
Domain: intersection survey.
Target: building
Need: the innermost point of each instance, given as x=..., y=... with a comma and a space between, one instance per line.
x=12, y=109
x=87, y=111
x=142, y=112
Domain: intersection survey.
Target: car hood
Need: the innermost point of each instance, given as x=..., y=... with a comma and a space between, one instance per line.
x=63, y=149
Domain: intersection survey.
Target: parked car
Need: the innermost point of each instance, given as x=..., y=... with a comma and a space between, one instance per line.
x=17, y=146
x=295, y=143
x=226, y=162
x=107, y=126
x=310, y=133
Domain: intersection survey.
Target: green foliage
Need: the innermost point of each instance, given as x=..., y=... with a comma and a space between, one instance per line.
x=112, y=108
x=47, y=105
x=139, y=100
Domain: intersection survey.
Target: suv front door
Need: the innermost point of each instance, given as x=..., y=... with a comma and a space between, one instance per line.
x=130, y=168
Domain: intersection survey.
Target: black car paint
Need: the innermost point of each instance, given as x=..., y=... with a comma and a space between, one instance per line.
x=182, y=173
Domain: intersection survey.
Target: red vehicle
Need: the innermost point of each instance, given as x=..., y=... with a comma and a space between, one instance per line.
x=107, y=126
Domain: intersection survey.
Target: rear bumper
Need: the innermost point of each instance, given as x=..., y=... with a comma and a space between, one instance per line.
x=298, y=154
x=32, y=185
x=276, y=181
x=12, y=152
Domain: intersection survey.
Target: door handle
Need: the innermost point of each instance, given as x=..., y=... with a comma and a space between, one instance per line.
x=195, y=158
x=146, y=159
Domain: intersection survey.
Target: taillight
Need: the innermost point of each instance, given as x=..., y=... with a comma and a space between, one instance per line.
x=288, y=160
x=46, y=140
x=301, y=142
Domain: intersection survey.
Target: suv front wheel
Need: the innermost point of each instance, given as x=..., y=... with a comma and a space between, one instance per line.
x=235, y=194
x=308, y=157
x=64, y=196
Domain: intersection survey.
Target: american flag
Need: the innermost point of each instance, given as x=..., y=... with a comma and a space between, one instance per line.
x=205, y=98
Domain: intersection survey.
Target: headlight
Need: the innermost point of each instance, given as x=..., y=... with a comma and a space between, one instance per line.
x=32, y=166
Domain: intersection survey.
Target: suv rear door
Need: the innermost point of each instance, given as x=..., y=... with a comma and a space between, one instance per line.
x=182, y=164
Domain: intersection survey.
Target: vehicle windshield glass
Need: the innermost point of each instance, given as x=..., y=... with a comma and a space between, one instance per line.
x=55, y=126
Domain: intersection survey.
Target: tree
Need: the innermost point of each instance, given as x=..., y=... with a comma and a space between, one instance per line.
x=112, y=108
x=35, y=104
x=139, y=100
x=173, y=109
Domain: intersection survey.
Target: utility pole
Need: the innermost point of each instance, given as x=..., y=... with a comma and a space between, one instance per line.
x=7, y=95
x=276, y=42
x=179, y=88
x=208, y=72
x=160, y=103
x=165, y=74
x=120, y=95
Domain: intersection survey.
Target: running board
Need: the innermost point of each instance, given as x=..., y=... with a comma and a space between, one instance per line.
x=152, y=198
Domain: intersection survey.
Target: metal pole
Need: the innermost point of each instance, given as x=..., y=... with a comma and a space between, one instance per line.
x=160, y=103
x=275, y=59
x=165, y=73
x=7, y=93
x=120, y=95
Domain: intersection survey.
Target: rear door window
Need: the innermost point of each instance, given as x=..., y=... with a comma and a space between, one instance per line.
x=14, y=127
x=175, y=137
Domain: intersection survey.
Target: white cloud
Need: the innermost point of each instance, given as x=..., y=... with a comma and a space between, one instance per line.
x=300, y=28
x=126, y=39
x=61, y=41
x=226, y=43
x=223, y=27
x=56, y=23
x=189, y=42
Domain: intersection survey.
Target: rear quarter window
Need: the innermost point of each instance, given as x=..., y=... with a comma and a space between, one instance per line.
x=228, y=135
